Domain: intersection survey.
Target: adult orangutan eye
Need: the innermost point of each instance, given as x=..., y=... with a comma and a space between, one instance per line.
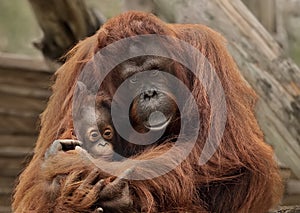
x=133, y=79
x=94, y=135
x=108, y=133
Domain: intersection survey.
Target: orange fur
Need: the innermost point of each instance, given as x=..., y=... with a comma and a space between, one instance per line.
x=242, y=175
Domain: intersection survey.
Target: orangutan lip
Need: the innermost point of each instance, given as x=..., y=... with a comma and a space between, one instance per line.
x=158, y=126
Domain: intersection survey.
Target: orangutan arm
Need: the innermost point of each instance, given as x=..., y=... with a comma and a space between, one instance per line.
x=79, y=186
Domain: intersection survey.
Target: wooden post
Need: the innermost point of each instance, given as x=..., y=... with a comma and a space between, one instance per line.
x=63, y=23
x=265, y=11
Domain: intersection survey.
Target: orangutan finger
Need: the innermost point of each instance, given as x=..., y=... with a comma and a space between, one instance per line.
x=72, y=183
x=69, y=144
x=114, y=189
x=93, y=192
x=54, y=148
x=97, y=187
x=116, y=195
x=90, y=179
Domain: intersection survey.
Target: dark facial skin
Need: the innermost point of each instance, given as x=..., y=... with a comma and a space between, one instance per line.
x=98, y=140
x=152, y=98
x=151, y=91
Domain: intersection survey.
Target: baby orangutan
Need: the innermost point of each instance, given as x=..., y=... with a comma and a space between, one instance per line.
x=97, y=139
x=97, y=142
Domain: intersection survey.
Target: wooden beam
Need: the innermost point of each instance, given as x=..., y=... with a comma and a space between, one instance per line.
x=22, y=62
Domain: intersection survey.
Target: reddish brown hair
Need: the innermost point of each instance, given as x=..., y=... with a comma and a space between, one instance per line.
x=242, y=175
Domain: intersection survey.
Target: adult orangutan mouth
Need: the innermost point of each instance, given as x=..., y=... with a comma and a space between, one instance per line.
x=162, y=124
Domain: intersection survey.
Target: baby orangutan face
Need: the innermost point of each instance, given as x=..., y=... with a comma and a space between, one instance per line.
x=98, y=140
x=94, y=127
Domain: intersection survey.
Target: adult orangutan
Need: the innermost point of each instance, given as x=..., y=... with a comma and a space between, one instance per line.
x=240, y=176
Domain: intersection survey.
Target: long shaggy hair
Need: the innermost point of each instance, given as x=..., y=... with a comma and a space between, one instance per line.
x=241, y=176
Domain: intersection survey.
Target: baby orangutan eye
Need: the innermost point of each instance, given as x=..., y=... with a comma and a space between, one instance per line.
x=108, y=133
x=94, y=135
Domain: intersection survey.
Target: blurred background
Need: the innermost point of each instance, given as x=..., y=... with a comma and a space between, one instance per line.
x=19, y=27
x=263, y=37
